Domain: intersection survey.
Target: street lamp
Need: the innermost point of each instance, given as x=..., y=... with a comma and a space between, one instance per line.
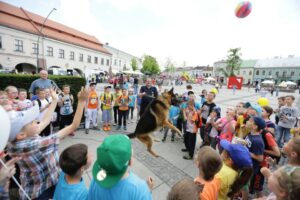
x=40, y=31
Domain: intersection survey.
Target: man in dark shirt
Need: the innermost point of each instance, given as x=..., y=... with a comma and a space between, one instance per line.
x=147, y=93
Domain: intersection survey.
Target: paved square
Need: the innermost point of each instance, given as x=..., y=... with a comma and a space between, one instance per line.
x=169, y=167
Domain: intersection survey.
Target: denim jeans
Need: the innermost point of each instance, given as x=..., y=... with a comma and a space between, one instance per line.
x=284, y=133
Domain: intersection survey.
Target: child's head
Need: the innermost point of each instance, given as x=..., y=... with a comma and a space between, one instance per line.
x=237, y=157
x=92, y=86
x=41, y=93
x=130, y=91
x=289, y=99
x=209, y=162
x=210, y=97
x=292, y=150
x=189, y=87
x=204, y=92
x=230, y=112
x=12, y=92
x=185, y=189
x=25, y=125
x=216, y=112
x=3, y=98
x=66, y=89
x=107, y=89
x=117, y=89
x=22, y=94
x=47, y=92
x=257, y=124
x=75, y=159
x=253, y=109
x=240, y=108
x=124, y=91
x=281, y=101
x=285, y=182
x=267, y=111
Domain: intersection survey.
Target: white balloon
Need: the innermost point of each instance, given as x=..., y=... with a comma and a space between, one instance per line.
x=4, y=128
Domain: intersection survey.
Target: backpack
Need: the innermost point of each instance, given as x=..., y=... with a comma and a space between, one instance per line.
x=40, y=103
x=54, y=114
x=263, y=135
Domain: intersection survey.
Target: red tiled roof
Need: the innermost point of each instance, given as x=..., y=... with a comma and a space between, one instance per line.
x=18, y=18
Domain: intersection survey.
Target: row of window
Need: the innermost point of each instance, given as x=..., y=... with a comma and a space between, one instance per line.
x=264, y=73
x=61, y=53
x=284, y=73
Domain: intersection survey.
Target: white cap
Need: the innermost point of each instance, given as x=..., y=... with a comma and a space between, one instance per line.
x=21, y=119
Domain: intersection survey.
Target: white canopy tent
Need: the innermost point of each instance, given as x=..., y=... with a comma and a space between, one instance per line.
x=290, y=83
x=282, y=84
x=268, y=82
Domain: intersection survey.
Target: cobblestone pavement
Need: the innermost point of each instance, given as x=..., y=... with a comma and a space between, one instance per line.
x=169, y=167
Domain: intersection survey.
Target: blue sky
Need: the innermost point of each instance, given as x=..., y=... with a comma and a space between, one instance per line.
x=198, y=32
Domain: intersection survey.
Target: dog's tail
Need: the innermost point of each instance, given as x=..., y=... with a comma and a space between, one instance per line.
x=131, y=135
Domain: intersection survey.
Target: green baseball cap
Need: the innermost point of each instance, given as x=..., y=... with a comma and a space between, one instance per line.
x=113, y=157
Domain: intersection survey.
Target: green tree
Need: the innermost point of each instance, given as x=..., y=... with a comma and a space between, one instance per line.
x=150, y=65
x=233, y=62
x=133, y=64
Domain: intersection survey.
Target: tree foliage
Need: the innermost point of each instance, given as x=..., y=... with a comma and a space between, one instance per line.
x=134, y=64
x=150, y=65
x=233, y=62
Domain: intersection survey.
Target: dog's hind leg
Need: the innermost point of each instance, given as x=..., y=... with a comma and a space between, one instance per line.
x=172, y=127
x=147, y=140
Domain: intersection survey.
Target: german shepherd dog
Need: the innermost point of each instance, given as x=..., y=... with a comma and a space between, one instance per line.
x=153, y=118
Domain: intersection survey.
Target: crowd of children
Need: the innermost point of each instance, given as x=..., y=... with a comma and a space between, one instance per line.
x=237, y=153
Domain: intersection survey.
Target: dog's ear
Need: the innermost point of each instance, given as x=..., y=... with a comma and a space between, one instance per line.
x=171, y=92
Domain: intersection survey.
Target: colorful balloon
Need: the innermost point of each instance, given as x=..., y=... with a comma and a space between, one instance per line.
x=243, y=9
x=263, y=101
x=214, y=90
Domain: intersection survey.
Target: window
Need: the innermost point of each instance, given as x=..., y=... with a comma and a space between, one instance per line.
x=292, y=73
x=115, y=62
x=270, y=73
x=277, y=74
x=0, y=42
x=61, y=53
x=263, y=72
x=35, y=48
x=89, y=59
x=120, y=63
x=72, y=55
x=107, y=62
x=19, y=45
x=284, y=74
x=244, y=72
x=257, y=72
x=49, y=51
x=102, y=61
x=81, y=57
x=96, y=60
x=250, y=73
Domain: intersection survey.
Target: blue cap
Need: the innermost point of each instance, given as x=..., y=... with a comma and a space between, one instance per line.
x=260, y=122
x=256, y=107
x=239, y=154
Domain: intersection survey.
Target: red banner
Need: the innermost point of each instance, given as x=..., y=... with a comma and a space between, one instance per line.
x=234, y=80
